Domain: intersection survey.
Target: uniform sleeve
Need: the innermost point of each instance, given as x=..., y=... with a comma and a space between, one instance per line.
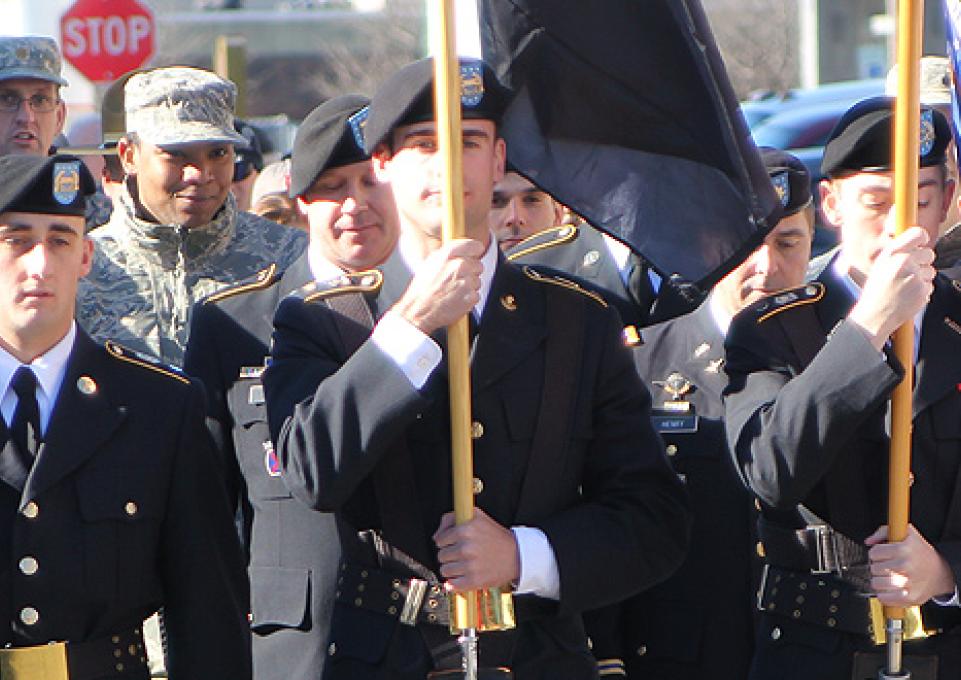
x=206, y=598
x=786, y=426
x=332, y=415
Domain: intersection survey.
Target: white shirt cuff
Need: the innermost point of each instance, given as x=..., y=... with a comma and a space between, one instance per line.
x=416, y=354
x=539, y=574
x=953, y=601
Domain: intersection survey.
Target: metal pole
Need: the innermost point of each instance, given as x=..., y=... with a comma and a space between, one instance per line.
x=907, y=123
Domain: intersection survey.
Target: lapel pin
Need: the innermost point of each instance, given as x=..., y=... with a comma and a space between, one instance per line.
x=701, y=350
x=86, y=385
x=715, y=365
x=509, y=303
x=591, y=257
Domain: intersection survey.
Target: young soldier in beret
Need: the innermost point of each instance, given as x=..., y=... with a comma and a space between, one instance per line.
x=811, y=372
x=293, y=550
x=576, y=504
x=700, y=622
x=108, y=486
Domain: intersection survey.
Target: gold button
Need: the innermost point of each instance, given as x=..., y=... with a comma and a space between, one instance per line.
x=28, y=566
x=796, y=613
x=477, y=485
x=119, y=667
x=832, y=622
x=671, y=449
x=130, y=508
x=392, y=610
x=86, y=385
x=799, y=599
x=476, y=430
x=29, y=616
x=776, y=634
x=642, y=650
x=31, y=510
x=509, y=303
x=760, y=549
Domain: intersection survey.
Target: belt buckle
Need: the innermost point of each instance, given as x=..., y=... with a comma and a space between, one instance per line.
x=40, y=661
x=826, y=547
x=416, y=590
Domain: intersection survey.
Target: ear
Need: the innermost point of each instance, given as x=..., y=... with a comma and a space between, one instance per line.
x=500, y=158
x=380, y=160
x=949, y=188
x=830, y=200
x=61, y=116
x=558, y=212
x=86, y=261
x=128, y=155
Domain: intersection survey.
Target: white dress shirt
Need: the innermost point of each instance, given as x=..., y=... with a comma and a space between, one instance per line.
x=49, y=368
x=417, y=355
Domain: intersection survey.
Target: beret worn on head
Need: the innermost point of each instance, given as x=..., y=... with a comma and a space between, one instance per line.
x=407, y=97
x=52, y=185
x=331, y=135
x=790, y=178
x=861, y=141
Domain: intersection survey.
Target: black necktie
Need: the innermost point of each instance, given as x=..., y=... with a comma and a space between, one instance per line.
x=25, y=426
x=639, y=283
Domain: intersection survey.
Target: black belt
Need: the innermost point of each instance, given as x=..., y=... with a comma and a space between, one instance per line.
x=818, y=600
x=120, y=653
x=412, y=601
x=819, y=550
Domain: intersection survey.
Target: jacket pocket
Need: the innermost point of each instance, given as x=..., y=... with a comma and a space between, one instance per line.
x=279, y=598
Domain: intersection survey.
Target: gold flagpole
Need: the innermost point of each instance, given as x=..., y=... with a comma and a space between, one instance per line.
x=907, y=125
x=447, y=101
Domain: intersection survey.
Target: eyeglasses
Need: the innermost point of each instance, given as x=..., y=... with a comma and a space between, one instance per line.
x=39, y=103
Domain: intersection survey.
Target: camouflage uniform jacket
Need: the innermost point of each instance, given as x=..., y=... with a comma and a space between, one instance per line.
x=146, y=276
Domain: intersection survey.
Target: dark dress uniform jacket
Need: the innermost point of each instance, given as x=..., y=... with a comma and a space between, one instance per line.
x=699, y=623
x=806, y=422
x=123, y=512
x=293, y=550
x=613, y=511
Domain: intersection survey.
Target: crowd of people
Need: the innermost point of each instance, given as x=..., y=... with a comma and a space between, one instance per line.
x=243, y=423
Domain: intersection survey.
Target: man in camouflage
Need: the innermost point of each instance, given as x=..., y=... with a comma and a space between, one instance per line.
x=175, y=235
x=31, y=111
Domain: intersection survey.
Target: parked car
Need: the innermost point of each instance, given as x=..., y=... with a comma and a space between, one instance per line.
x=756, y=111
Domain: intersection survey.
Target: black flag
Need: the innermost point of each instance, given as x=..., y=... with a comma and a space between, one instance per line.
x=623, y=111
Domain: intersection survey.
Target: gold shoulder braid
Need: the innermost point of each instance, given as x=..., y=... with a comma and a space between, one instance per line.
x=264, y=278
x=788, y=299
x=535, y=275
x=124, y=354
x=549, y=238
x=358, y=282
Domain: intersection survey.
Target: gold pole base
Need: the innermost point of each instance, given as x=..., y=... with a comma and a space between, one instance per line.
x=495, y=611
x=913, y=626
x=30, y=663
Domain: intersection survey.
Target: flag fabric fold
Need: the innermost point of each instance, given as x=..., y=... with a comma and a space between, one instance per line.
x=623, y=111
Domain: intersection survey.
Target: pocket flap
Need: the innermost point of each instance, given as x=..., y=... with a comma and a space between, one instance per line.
x=279, y=597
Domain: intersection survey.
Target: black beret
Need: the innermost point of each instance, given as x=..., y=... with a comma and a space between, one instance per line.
x=331, y=135
x=790, y=178
x=407, y=97
x=53, y=185
x=861, y=140
x=253, y=150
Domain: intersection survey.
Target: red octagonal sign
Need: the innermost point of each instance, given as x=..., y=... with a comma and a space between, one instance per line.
x=104, y=39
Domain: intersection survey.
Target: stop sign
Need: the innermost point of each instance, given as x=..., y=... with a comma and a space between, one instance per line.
x=104, y=39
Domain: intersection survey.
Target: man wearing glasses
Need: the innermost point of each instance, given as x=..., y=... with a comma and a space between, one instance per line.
x=31, y=111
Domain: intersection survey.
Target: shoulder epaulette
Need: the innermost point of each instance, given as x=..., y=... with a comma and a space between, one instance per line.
x=549, y=238
x=358, y=282
x=262, y=279
x=125, y=354
x=771, y=306
x=535, y=275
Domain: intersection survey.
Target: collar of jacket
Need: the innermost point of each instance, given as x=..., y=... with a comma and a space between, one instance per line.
x=166, y=244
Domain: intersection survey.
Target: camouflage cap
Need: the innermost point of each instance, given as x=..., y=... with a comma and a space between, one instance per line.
x=181, y=105
x=31, y=56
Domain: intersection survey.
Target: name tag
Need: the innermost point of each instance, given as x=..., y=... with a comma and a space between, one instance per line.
x=256, y=394
x=675, y=423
